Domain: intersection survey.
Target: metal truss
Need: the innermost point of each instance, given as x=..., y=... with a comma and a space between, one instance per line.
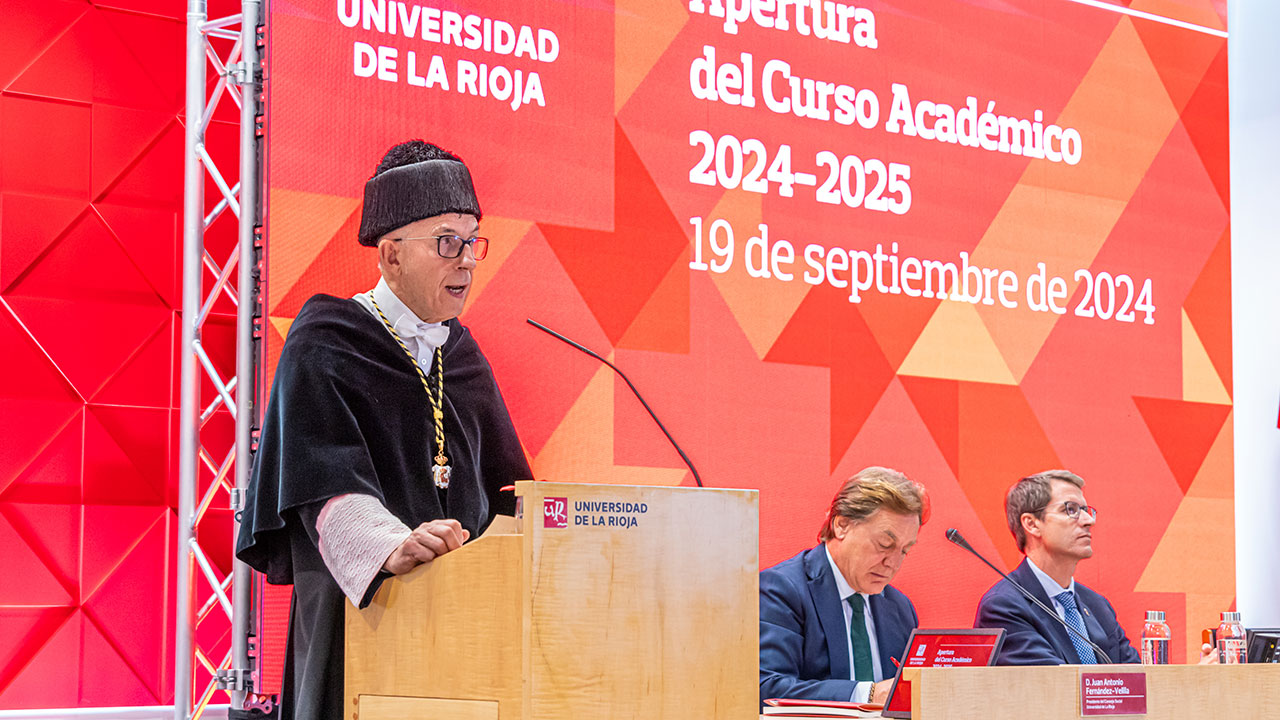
x=230, y=47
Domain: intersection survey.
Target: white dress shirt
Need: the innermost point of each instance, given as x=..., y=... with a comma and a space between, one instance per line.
x=357, y=532
x=863, y=690
x=1053, y=589
x=422, y=338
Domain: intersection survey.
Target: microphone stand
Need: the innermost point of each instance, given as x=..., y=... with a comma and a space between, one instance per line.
x=954, y=536
x=696, y=478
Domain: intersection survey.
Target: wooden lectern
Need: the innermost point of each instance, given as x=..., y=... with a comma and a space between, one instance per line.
x=1173, y=692
x=608, y=602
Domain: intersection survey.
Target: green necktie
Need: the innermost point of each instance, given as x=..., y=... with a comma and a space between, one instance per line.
x=861, y=644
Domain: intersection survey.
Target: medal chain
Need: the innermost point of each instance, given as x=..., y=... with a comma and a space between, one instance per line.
x=436, y=399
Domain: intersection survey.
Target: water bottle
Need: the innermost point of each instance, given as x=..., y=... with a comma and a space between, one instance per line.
x=1232, y=648
x=1155, y=639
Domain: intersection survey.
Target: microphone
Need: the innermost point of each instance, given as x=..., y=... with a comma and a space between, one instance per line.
x=696, y=478
x=954, y=536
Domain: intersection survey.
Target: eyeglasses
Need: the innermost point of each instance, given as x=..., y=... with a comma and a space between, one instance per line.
x=450, y=246
x=1072, y=510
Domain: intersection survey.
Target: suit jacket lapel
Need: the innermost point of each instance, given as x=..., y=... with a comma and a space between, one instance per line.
x=826, y=600
x=1092, y=627
x=1058, y=636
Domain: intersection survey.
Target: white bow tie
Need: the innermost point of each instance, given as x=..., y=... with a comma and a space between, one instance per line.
x=434, y=334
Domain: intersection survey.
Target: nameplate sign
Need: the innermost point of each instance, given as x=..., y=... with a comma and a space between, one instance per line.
x=1113, y=694
x=940, y=648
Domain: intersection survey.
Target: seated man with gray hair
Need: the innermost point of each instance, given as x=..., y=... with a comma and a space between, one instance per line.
x=1052, y=523
x=831, y=625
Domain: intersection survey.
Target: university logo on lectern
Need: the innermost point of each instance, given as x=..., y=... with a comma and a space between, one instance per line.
x=555, y=512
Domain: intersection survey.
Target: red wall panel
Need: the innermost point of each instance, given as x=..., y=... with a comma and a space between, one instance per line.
x=91, y=134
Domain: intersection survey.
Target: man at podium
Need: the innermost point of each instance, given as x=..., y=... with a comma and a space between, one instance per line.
x=831, y=625
x=371, y=459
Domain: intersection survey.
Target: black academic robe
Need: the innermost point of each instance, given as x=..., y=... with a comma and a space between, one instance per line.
x=348, y=414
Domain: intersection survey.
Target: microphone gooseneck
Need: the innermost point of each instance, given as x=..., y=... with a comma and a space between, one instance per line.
x=696, y=478
x=954, y=536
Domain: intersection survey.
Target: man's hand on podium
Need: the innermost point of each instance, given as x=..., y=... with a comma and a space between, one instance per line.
x=427, y=542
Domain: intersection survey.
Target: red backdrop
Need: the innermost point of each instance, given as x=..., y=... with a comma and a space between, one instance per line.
x=595, y=198
x=90, y=168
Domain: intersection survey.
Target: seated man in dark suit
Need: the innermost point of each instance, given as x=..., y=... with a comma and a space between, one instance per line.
x=1052, y=523
x=831, y=626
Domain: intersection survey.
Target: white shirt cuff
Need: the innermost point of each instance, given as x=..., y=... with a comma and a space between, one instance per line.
x=357, y=534
x=861, y=692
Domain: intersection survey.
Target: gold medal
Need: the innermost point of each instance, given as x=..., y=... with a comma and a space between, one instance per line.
x=440, y=473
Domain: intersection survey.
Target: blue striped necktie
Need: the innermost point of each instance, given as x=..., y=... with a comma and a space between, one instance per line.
x=1072, y=615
